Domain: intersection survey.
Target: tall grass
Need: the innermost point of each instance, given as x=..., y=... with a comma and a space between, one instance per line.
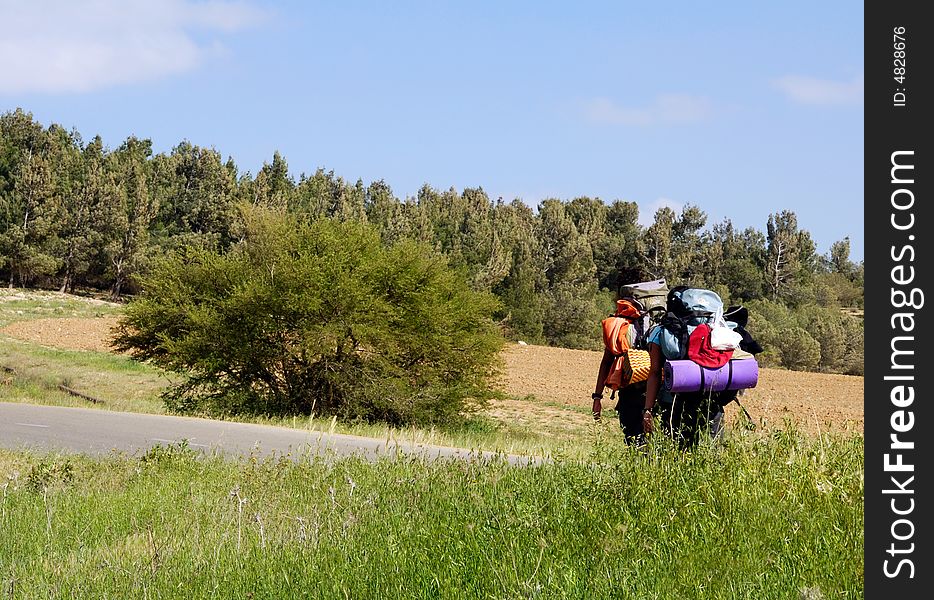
x=751, y=517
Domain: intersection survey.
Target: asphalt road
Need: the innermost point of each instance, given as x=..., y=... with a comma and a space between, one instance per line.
x=100, y=432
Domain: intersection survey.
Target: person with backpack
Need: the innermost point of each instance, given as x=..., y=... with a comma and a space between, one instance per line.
x=624, y=366
x=684, y=330
x=622, y=332
x=685, y=333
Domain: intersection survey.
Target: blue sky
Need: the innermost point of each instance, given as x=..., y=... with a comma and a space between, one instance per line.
x=742, y=110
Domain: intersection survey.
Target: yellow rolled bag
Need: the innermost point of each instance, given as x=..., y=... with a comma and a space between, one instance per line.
x=636, y=366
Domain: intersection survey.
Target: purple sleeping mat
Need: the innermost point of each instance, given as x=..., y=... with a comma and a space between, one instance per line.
x=688, y=376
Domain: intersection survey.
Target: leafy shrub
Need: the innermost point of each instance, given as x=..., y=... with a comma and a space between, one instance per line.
x=49, y=473
x=767, y=322
x=316, y=318
x=853, y=362
x=845, y=291
x=826, y=338
x=799, y=350
x=826, y=326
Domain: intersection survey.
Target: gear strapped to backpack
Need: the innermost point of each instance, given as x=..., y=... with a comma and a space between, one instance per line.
x=694, y=362
x=653, y=296
x=686, y=308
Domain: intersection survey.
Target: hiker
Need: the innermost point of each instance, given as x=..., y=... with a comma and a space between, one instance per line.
x=683, y=329
x=624, y=366
x=686, y=335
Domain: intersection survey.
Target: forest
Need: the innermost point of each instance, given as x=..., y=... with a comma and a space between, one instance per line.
x=77, y=216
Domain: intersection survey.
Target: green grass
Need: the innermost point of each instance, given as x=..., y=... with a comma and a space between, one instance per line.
x=122, y=383
x=753, y=517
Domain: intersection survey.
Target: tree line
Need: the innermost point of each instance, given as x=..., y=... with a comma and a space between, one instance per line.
x=76, y=214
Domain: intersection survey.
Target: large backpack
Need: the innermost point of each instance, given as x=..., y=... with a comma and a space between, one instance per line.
x=653, y=296
x=687, y=308
x=622, y=332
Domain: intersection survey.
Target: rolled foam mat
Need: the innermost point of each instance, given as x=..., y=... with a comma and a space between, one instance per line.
x=688, y=376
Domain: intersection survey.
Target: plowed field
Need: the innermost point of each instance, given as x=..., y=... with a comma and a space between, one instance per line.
x=560, y=378
x=67, y=333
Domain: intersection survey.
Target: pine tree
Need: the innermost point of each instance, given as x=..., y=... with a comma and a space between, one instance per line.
x=196, y=194
x=790, y=254
x=273, y=185
x=840, y=258
x=384, y=211
x=325, y=195
x=83, y=231
x=734, y=261
x=33, y=210
x=616, y=254
x=656, y=246
x=30, y=201
x=688, y=248
x=570, y=316
x=523, y=286
x=130, y=213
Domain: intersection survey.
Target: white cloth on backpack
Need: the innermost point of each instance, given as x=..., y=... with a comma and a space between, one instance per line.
x=722, y=337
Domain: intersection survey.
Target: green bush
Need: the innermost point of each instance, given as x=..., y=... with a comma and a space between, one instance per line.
x=853, y=361
x=825, y=325
x=316, y=318
x=808, y=338
x=799, y=351
x=767, y=322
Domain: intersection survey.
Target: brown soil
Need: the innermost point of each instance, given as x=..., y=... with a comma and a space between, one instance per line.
x=67, y=333
x=550, y=388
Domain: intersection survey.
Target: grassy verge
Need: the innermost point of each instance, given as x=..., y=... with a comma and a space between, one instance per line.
x=33, y=373
x=121, y=383
x=21, y=305
x=753, y=517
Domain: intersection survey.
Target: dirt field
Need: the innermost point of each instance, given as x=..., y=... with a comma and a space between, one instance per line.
x=565, y=378
x=550, y=387
x=67, y=333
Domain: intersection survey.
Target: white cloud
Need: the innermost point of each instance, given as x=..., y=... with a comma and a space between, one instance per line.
x=56, y=46
x=666, y=109
x=647, y=211
x=820, y=92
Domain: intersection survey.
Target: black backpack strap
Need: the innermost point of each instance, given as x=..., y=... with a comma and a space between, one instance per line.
x=639, y=324
x=678, y=327
x=750, y=423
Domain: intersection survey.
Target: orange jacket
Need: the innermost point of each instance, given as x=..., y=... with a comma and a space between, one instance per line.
x=616, y=338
